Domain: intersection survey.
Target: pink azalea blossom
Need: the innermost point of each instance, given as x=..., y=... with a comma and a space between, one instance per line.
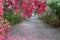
x=1, y=6
x=17, y=11
x=10, y=7
x=1, y=29
x=1, y=0
x=0, y=18
x=23, y=0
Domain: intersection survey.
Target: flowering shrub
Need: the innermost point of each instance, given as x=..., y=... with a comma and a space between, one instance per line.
x=27, y=6
x=4, y=28
x=31, y=5
x=4, y=25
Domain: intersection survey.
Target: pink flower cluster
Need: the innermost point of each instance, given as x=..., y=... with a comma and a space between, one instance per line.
x=4, y=29
x=41, y=7
x=27, y=6
x=13, y=4
x=4, y=25
x=1, y=8
x=30, y=6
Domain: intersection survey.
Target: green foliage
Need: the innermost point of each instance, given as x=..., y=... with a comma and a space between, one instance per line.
x=54, y=17
x=44, y=16
x=11, y=17
x=55, y=7
x=51, y=19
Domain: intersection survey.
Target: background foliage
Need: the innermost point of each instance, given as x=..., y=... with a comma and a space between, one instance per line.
x=54, y=17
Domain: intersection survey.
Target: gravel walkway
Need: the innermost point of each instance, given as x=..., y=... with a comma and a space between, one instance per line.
x=34, y=29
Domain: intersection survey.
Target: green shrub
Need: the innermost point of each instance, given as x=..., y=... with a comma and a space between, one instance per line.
x=54, y=17
x=51, y=19
x=55, y=7
x=12, y=18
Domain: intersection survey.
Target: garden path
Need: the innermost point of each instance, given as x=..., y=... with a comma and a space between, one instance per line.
x=34, y=29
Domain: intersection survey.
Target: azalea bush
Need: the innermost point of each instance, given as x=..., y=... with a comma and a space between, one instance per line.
x=4, y=24
x=4, y=28
x=29, y=6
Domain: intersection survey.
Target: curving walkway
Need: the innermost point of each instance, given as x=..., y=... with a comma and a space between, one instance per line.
x=34, y=29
